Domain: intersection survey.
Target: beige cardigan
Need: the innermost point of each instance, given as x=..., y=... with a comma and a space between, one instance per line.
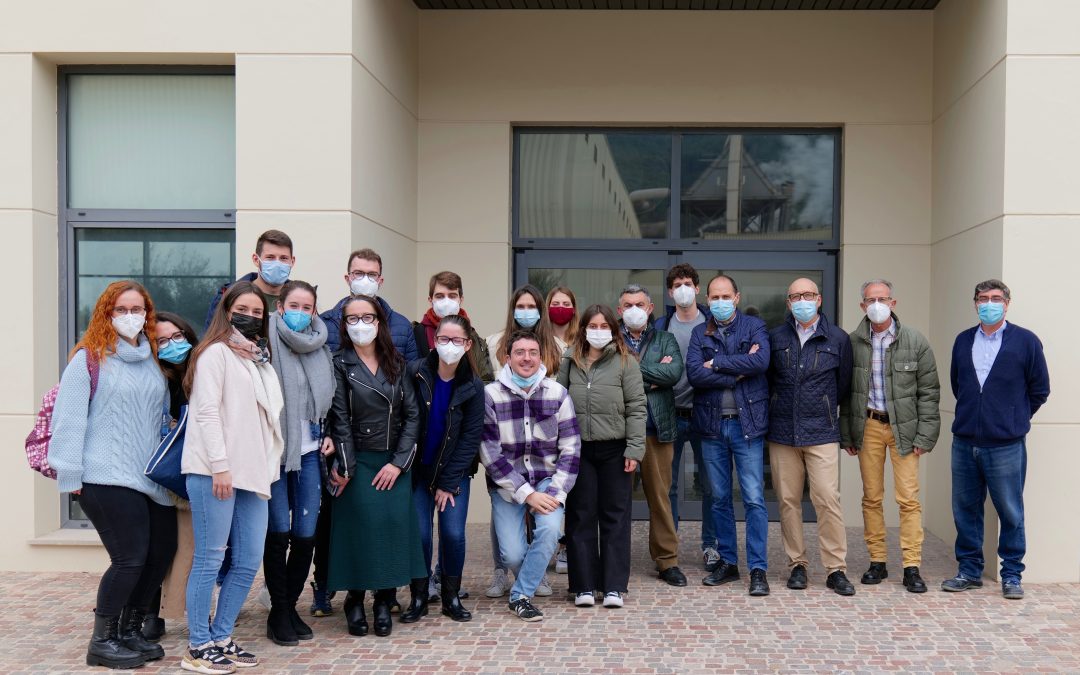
x=234, y=420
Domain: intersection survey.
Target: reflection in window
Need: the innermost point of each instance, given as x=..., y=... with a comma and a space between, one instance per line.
x=600, y=286
x=762, y=293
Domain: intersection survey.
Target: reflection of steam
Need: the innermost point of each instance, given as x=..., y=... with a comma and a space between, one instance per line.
x=808, y=164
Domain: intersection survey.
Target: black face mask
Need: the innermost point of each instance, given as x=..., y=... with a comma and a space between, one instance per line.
x=249, y=326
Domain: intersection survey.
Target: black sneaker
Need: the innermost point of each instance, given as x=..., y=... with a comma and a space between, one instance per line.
x=207, y=659
x=875, y=574
x=838, y=581
x=525, y=610
x=960, y=583
x=759, y=585
x=797, y=580
x=1012, y=590
x=673, y=576
x=724, y=573
x=913, y=581
x=240, y=657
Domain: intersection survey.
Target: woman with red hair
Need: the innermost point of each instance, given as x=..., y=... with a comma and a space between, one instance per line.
x=106, y=424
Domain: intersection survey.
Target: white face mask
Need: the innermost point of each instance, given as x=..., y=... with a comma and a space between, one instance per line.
x=445, y=307
x=364, y=286
x=362, y=333
x=878, y=312
x=598, y=337
x=129, y=325
x=450, y=353
x=684, y=296
x=635, y=318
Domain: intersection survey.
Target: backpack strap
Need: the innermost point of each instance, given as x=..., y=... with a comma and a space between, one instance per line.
x=94, y=368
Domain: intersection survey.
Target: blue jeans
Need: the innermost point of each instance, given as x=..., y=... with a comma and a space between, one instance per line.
x=240, y=519
x=748, y=455
x=451, y=524
x=527, y=561
x=1001, y=472
x=294, y=499
x=682, y=435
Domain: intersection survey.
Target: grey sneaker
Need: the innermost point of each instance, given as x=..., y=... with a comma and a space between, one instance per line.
x=560, y=562
x=712, y=559
x=960, y=583
x=434, y=589
x=544, y=589
x=500, y=585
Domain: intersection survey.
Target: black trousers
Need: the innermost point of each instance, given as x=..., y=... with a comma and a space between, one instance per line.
x=598, y=520
x=140, y=537
x=322, y=540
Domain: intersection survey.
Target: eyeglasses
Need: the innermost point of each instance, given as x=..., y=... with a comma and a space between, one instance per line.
x=374, y=276
x=807, y=295
x=446, y=339
x=354, y=319
x=870, y=301
x=124, y=311
x=996, y=299
x=176, y=337
x=520, y=353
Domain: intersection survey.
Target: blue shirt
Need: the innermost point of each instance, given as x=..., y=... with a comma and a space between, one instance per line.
x=984, y=351
x=436, y=426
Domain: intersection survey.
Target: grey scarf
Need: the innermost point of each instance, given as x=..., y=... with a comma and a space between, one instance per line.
x=303, y=365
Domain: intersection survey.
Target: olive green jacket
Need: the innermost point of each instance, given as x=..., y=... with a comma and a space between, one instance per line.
x=912, y=390
x=609, y=399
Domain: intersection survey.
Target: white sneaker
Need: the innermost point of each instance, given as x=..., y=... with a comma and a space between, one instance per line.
x=500, y=585
x=560, y=562
x=584, y=600
x=264, y=597
x=544, y=589
x=613, y=599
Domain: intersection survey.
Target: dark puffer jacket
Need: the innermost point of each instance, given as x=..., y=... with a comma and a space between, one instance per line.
x=401, y=330
x=807, y=383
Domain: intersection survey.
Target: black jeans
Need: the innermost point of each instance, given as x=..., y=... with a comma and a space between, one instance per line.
x=598, y=520
x=140, y=536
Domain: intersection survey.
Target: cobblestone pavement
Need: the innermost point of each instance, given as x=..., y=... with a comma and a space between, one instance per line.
x=47, y=621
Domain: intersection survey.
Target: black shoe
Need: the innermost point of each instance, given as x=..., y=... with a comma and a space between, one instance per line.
x=355, y=618
x=383, y=625
x=525, y=610
x=759, y=585
x=1012, y=590
x=153, y=627
x=913, y=581
x=875, y=574
x=797, y=580
x=838, y=581
x=418, y=607
x=673, y=576
x=960, y=583
x=725, y=573
x=301, y=551
x=279, y=626
x=449, y=588
x=131, y=621
x=106, y=649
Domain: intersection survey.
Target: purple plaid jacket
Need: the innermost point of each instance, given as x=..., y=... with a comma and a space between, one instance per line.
x=529, y=437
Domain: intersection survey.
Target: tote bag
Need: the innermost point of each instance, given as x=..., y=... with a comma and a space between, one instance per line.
x=164, y=466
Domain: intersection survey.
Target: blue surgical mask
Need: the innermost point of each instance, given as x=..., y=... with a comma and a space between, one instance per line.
x=527, y=318
x=991, y=312
x=804, y=311
x=722, y=310
x=274, y=272
x=175, y=352
x=524, y=382
x=296, y=320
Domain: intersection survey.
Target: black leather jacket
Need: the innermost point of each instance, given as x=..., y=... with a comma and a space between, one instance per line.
x=370, y=414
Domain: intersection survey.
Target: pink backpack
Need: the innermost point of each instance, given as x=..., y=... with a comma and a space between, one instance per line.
x=37, y=443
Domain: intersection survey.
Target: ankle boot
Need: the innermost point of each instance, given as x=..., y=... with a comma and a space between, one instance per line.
x=355, y=618
x=106, y=649
x=301, y=550
x=131, y=621
x=451, y=602
x=153, y=627
x=380, y=611
x=278, y=624
x=418, y=607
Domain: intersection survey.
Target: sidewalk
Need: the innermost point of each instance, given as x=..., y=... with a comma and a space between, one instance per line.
x=46, y=620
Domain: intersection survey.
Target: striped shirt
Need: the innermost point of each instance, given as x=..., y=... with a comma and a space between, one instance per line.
x=879, y=345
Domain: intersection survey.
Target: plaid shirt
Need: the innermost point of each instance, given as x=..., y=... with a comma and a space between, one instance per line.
x=879, y=344
x=529, y=437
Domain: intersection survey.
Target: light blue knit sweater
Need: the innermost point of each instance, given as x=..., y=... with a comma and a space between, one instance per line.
x=107, y=441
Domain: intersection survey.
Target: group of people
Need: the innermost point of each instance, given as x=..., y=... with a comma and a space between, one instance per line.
x=341, y=438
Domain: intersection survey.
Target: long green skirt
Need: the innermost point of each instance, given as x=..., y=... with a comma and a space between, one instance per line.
x=374, y=534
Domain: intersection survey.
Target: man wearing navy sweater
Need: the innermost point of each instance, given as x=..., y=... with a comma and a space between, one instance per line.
x=1000, y=380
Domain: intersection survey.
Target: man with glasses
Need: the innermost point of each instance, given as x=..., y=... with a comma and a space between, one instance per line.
x=809, y=374
x=893, y=406
x=1000, y=380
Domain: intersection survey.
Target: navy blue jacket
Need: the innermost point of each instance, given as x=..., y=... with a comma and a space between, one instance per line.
x=999, y=413
x=730, y=359
x=669, y=311
x=807, y=383
x=460, y=448
x=401, y=329
x=251, y=276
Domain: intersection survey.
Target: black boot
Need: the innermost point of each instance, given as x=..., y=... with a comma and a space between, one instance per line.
x=418, y=607
x=153, y=626
x=355, y=618
x=380, y=611
x=107, y=650
x=451, y=602
x=301, y=550
x=131, y=621
x=278, y=625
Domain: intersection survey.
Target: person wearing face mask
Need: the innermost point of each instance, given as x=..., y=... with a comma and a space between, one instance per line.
x=232, y=456
x=446, y=295
x=274, y=261
x=562, y=310
x=726, y=364
x=374, y=424
x=302, y=363
x=893, y=406
x=1000, y=380
x=605, y=385
x=809, y=374
x=451, y=420
x=106, y=423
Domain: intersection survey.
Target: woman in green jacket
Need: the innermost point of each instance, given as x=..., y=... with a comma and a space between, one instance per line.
x=609, y=398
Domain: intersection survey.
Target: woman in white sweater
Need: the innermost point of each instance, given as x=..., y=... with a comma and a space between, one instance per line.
x=232, y=454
